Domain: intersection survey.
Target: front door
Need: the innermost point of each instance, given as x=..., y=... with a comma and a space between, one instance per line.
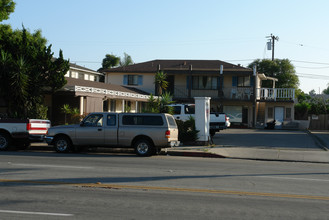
x=278, y=116
x=111, y=130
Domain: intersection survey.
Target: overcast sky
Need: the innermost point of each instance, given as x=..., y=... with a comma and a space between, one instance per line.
x=233, y=31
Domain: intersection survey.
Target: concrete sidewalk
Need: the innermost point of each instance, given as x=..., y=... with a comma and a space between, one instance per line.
x=316, y=150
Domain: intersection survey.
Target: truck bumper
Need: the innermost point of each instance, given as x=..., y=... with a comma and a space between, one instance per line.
x=174, y=143
x=36, y=138
x=49, y=140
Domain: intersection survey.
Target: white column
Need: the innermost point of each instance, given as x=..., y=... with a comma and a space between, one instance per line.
x=123, y=105
x=136, y=107
x=81, y=105
x=202, y=118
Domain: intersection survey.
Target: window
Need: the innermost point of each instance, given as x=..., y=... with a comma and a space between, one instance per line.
x=204, y=82
x=93, y=121
x=234, y=113
x=81, y=76
x=142, y=120
x=113, y=105
x=288, y=113
x=243, y=81
x=132, y=80
x=171, y=121
x=270, y=112
x=111, y=120
x=177, y=110
x=189, y=109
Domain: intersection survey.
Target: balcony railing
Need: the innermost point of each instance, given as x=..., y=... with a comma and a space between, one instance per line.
x=275, y=94
x=239, y=93
x=231, y=93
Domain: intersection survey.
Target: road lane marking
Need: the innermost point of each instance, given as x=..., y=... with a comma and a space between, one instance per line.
x=292, y=178
x=173, y=189
x=35, y=213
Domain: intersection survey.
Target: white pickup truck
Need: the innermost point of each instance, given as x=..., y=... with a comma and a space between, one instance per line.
x=218, y=121
x=21, y=133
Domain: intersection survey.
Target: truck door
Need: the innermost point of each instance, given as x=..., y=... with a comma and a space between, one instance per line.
x=91, y=131
x=111, y=130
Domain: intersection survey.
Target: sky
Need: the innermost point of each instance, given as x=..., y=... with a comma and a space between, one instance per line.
x=234, y=31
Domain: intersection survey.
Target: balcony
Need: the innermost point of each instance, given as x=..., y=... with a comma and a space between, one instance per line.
x=228, y=93
x=238, y=93
x=275, y=94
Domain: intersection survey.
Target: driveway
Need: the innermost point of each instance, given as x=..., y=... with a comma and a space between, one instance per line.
x=261, y=138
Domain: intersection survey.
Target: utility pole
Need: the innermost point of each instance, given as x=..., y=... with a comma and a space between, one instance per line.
x=272, y=40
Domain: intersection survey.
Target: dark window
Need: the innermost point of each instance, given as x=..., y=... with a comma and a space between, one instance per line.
x=189, y=109
x=142, y=120
x=177, y=110
x=205, y=82
x=105, y=105
x=243, y=81
x=93, y=121
x=81, y=76
x=132, y=80
x=111, y=120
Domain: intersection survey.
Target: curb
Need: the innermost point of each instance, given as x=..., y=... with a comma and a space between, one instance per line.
x=193, y=154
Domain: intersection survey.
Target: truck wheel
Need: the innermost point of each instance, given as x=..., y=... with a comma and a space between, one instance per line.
x=62, y=144
x=5, y=141
x=212, y=133
x=143, y=148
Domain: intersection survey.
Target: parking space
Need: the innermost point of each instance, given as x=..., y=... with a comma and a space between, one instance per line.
x=261, y=138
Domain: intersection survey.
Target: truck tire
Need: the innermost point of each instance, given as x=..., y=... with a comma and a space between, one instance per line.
x=62, y=144
x=5, y=141
x=212, y=133
x=143, y=148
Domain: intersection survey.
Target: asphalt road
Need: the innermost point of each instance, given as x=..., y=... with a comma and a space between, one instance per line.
x=262, y=138
x=47, y=185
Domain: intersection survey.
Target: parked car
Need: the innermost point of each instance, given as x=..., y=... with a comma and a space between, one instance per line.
x=147, y=133
x=22, y=132
x=218, y=121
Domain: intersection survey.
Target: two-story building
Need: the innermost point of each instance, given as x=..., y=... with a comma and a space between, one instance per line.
x=85, y=91
x=233, y=89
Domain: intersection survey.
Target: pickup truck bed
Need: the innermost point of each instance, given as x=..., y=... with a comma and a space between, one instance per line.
x=22, y=132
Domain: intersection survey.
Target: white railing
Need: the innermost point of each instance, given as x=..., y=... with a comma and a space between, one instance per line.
x=234, y=93
x=118, y=94
x=275, y=94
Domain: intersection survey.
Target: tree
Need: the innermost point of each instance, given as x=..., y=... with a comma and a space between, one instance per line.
x=6, y=8
x=312, y=92
x=326, y=91
x=126, y=60
x=282, y=69
x=160, y=81
x=110, y=61
x=28, y=71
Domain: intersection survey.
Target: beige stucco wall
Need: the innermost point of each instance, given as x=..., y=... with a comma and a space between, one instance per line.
x=148, y=80
x=282, y=104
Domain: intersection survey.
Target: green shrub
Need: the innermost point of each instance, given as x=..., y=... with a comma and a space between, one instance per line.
x=186, y=131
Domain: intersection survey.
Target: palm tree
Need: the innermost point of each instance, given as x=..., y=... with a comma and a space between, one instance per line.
x=161, y=82
x=126, y=60
x=66, y=109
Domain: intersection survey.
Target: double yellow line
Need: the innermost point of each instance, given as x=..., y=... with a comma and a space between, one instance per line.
x=173, y=189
